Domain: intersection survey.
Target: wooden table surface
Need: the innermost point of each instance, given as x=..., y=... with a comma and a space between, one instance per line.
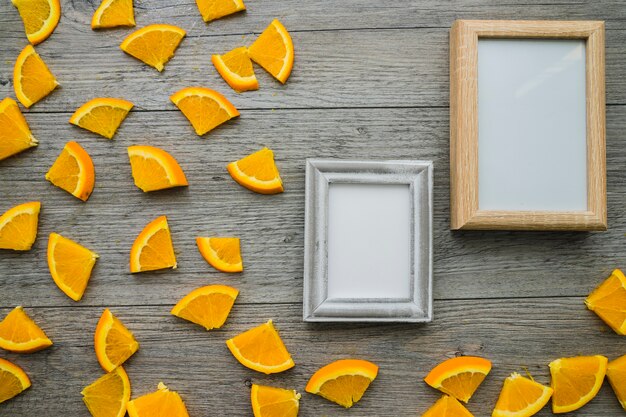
x=370, y=81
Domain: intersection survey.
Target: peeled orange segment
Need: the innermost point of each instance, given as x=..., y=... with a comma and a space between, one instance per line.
x=257, y=172
x=153, y=248
x=32, y=80
x=236, y=69
x=274, y=402
x=114, y=343
x=616, y=374
x=73, y=171
x=108, y=396
x=15, y=135
x=13, y=380
x=154, y=169
x=273, y=50
x=161, y=403
x=207, y=306
x=271, y=359
x=608, y=301
x=447, y=406
x=521, y=397
x=113, y=13
x=204, y=108
x=154, y=45
x=102, y=115
x=222, y=253
x=40, y=18
x=18, y=226
x=576, y=381
x=344, y=381
x=459, y=377
x=19, y=333
x=214, y=9
x=70, y=265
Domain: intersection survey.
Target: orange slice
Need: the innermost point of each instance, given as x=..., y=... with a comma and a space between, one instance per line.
x=40, y=18
x=257, y=172
x=15, y=135
x=108, y=396
x=154, y=45
x=273, y=50
x=154, y=169
x=344, y=381
x=32, y=80
x=447, y=406
x=272, y=359
x=102, y=115
x=274, y=402
x=13, y=380
x=616, y=374
x=114, y=343
x=206, y=109
x=207, y=306
x=576, y=381
x=459, y=377
x=236, y=69
x=70, y=265
x=18, y=226
x=161, y=403
x=222, y=253
x=214, y=9
x=19, y=333
x=153, y=248
x=113, y=14
x=73, y=171
x=608, y=301
x=521, y=397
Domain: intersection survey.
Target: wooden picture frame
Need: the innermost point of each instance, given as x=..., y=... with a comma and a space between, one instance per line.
x=464, y=131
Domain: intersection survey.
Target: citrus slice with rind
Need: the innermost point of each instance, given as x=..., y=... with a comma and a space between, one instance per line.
x=459, y=377
x=15, y=135
x=154, y=44
x=40, y=18
x=73, y=171
x=257, y=172
x=616, y=374
x=113, y=14
x=153, y=248
x=521, y=397
x=344, y=381
x=447, y=406
x=215, y=9
x=608, y=301
x=32, y=80
x=108, y=396
x=18, y=226
x=161, y=403
x=235, y=67
x=19, y=333
x=13, y=380
x=274, y=402
x=113, y=342
x=102, y=115
x=222, y=253
x=154, y=169
x=206, y=109
x=273, y=50
x=576, y=381
x=207, y=306
x=70, y=265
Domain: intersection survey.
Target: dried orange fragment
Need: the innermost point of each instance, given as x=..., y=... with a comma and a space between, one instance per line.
x=447, y=406
x=214, y=9
x=114, y=343
x=161, y=403
x=274, y=402
x=576, y=381
x=13, y=380
x=154, y=44
x=32, y=80
x=459, y=377
x=113, y=13
x=207, y=306
x=154, y=169
x=608, y=301
x=222, y=253
x=344, y=381
x=153, y=248
x=273, y=50
x=70, y=265
x=15, y=135
x=19, y=333
x=204, y=108
x=108, y=396
x=521, y=397
x=257, y=172
x=40, y=18
x=18, y=226
x=73, y=171
x=235, y=67
x=102, y=115
x=616, y=374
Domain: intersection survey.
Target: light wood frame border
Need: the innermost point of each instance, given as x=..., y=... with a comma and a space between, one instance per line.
x=465, y=213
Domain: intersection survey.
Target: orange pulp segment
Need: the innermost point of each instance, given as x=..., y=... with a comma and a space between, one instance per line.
x=459, y=377
x=344, y=381
x=207, y=306
x=70, y=265
x=154, y=169
x=113, y=13
x=15, y=135
x=18, y=226
x=13, y=380
x=108, y=396
x=73, y=171
x=40, y=18
x=222, y=253
x=204, y=108
x=235, y=67
x=447, y=406
x=521, y=397
x=608, y=301
x=113, y=342
x=153, y=248
x=214, y=9
x=161, y=403
x=32, y=80
x=273, y=50
x=257, y=172
x=19, y=333
x=154, y=44
x=274, y=402
x=102, y=115
x=616, y=374
x=576, y=381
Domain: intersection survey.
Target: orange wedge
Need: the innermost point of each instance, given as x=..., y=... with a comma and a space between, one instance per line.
x=153, y=248
x=272, y=359
x=154, y=45
x=204, y=108
x=113, y=14
x=18, y=226
x=447, y=406
x=15, y=135
x=214, y=9
x=40, y=18
x=154, y=169
x=459, y=377
x=616, y=374
x=521, y=397
x=576, y=381
x=73, y=171
x=274, y=402
x=608, y=301
x=19, y=333
x=161, y=403
x=13, y=380
x=273, y=50
x=236, y=69
x=257, y=172
x=108, y=396
x=222, y=253
x=207, y=306
x=344, y=381
x=70, y=265
x=114, y=343
x=102, y=115
x=32, y=80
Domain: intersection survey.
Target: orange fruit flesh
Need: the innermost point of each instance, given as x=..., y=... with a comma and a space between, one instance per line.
x=73, y=171
x=236, y=69
x=32, y=79
x=207, y=306
x=154, y=45
x=616, y=374
x=608, y=301
x=108, y=395
x=521, y=397
x=114, y=13
x=18, y=226
x=273, y=50
x=70, y=265
x=576, y=381
x=447, y=406
x=153, y=248
x=274, y=402
x=15, y=136
x=344, y=381
x=214, y=9
x=222, y=253
x=257, y=172
x=459, y=377
x=154, y=169
x=102, y=115
x=204, y=108
x=19, y=333
x=114, y=343
x=13, y=380
x=161, y=403
x=40, y=18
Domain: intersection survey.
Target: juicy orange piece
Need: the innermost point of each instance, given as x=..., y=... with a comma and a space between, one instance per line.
x=154, y=44
x=257, y=172
x=222, y=253
x=108, y=396
x=616, y=374
x=102, y=115
x=70, y=265
x=73, y=171
x=236, y=69
x=273, y=50
x=447, y=406
x=161, y=403
x=19, y=333
x=459, y=377
x=204, y=108
x=576, y=381
x=271, y=359
x=114, y=343
x=13, y=380
x=40, y=18
x=214, y=9
x=153, y=248
x=113, y=13
x=32, y=80
x=18, y=226
x=274, y=402
x=608, y=301
x=207, y=306
x=154, y=169
x=344, y=381
x=15, y=135
x=521, y=397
